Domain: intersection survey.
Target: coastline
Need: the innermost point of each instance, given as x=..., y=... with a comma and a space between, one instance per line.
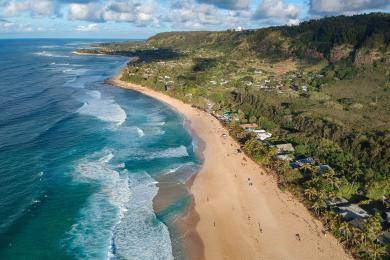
x=230, y=219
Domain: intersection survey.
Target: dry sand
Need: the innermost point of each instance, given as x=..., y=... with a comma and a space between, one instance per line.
x=240, y=212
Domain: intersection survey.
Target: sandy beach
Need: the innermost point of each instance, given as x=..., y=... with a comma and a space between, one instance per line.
x=236, y=220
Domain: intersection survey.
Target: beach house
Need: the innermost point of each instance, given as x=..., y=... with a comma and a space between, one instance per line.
x=284, y=148
x=300, y=162
x=336, y=202
x=351, y=212
x=262, y=134
x=249, y=127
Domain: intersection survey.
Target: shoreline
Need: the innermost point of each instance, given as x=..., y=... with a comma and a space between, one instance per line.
x=232, y=218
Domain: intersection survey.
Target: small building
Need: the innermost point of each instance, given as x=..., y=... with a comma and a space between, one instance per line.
x=249, y=127
x=283, y=157
x=351, y=212
x=307, y=160
x=285, y=148
x=336, y=202
x=387, y=214
x=299, y=163
x=262, y=134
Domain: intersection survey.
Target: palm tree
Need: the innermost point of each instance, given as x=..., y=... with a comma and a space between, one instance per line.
x=345, y=230
x=319, y=202
x=307, y=169
x=311, y=193
x=376, y=251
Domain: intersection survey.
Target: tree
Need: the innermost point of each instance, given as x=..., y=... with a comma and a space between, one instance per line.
x=345, y=230
x=311, y=193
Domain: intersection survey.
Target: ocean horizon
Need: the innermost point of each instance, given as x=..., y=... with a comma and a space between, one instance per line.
x=81, y=160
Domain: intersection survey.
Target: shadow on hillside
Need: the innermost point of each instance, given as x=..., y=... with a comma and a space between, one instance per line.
x=152, y=55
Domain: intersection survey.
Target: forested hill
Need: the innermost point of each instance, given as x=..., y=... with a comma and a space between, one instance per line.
x=362, y=39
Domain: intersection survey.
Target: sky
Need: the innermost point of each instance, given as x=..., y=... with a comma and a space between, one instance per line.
x=139, y=19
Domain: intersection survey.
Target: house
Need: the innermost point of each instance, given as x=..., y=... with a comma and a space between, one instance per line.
x=307, y=160
x=336, y=202
x=249, y=127
x=387, y=216
x=262, y=134
x=299, y=163
x=283, y=157
x=351, y=212
x=284, y=148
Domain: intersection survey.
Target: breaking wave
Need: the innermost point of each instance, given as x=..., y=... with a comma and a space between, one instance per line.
x=103, y=109
x=119, y=217
x=50, y=54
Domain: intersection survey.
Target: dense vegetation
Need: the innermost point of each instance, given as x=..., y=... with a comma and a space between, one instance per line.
x=324, y=86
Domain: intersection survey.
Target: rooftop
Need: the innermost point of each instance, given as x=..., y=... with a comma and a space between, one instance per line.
x=352, y=211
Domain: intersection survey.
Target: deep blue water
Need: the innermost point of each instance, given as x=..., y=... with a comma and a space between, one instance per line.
x=79, y=159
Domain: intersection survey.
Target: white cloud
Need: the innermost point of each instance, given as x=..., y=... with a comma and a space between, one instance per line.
x=33, y=7
x=87, y=28
x=293, y=22
x=276, y=9
x=188, y=14
x=227, y=4
x=345, y=6
x=137, y=12
x=6, y=27
x=86, y=12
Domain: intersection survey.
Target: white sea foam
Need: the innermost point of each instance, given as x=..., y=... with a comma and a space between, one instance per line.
x=50, y=54
x=140, y=235
x=118, y=221
x=140, y=132
x=175, y=152
x=103, y=109
x=95, y=94
x=49, y=46
x=74, y=71
x=80, y=82
x=59, y=64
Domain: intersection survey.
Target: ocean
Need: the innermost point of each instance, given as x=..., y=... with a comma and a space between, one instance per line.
x=81, y=161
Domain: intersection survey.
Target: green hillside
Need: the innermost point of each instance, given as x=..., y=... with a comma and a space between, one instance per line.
x=323, y=86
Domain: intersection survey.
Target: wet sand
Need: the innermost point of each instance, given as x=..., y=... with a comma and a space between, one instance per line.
x=238, y=212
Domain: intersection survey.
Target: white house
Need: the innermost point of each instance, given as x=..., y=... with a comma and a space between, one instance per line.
x=262, y=134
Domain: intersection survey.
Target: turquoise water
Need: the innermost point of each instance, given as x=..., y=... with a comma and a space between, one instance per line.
x=80, y=160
